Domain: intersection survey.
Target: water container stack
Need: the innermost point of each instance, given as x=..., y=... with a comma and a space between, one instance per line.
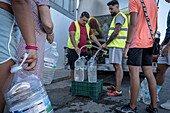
x=92, y=87
x=26, y=94
x=50, y=63
x=82, y=70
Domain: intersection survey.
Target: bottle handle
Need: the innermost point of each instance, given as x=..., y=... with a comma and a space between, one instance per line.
x=25, y=57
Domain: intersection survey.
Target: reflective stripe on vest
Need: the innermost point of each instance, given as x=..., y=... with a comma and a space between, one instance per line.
x=120, y=40
x=77, y=35
x=94, y=30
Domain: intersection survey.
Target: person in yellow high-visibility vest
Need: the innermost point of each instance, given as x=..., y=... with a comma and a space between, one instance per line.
x=116, y=42
x=79, y=34
x=96, y=27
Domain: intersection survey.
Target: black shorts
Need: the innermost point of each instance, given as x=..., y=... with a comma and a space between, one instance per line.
x=72, y=57
x=140, y=56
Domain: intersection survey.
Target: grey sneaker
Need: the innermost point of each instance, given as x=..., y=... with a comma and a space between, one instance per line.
x=151, y=110
x=166, y=105
x=126, y=109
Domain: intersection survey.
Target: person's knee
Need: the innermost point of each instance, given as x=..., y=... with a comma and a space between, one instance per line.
x=117, y=66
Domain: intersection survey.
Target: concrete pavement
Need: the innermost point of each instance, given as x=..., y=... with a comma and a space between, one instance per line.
x=63, y=102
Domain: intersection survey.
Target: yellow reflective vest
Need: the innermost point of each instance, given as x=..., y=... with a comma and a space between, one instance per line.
x=77, y=35
x=94, y=30
x=120, y=40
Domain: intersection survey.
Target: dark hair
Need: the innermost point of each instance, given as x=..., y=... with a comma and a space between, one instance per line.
x=113, y=2
x=86, y=14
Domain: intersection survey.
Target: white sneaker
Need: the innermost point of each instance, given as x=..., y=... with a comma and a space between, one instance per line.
x=166, y=105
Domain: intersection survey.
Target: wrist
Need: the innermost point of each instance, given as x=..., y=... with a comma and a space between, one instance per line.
x=50, y=33
x=31, y=47
x=128, y=42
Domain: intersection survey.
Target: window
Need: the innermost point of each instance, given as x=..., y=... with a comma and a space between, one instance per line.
x=66, y=7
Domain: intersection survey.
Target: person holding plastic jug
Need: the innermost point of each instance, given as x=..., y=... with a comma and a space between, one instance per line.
x=116, y=42
x=164, y=61
x=43, y=31
x=79, y=35
x=12, y=11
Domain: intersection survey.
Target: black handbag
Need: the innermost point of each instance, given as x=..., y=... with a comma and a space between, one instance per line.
x=156, y=46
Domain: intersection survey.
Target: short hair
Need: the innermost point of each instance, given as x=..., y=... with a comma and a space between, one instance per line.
x=113, y=2
x=86, y=14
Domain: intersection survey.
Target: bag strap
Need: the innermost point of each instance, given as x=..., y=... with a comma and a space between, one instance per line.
x=147, y=19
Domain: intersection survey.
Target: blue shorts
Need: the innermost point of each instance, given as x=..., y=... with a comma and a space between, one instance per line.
x=9, y=36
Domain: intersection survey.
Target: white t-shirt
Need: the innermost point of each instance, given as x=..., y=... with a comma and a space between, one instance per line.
x=6, y=1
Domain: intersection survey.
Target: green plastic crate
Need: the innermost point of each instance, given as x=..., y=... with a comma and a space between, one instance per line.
x=92, y=90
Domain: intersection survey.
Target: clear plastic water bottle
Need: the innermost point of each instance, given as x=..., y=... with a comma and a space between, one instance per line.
x=79, y=70
x=50, y=63
x=146, y=94
x=85, y=67
x=26, y=94
x=139, y=94
x=142, y=88
x=92, y=70
x=51, y=56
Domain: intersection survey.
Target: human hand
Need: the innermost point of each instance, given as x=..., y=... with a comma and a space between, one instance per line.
x=125, y=51
x=31, y=59
x=104, y=46
x=165, y=51
x=77, y=50
x=50, y=38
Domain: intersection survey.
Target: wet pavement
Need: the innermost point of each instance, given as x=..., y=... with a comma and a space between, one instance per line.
x=63, y=102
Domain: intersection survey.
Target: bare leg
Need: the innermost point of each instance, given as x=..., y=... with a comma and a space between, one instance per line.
x=118, y=75
x=151, y=83
x=134, y=85
x=4, y=74
x=72, y=74
x=161, y=70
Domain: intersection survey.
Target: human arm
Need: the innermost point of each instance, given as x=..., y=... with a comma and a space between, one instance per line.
x=73, y=41
x=131, y=30
x=23, y=15
x=46, y=20
x=95, y=40
x=113, y=35
x=166, y=50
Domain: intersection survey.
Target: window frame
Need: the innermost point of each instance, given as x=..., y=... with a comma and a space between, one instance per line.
x=64, y=11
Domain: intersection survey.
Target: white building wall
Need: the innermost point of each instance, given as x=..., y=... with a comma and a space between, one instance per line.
x=61, y=26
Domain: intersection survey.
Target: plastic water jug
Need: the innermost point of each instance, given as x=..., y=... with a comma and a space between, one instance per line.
x=142, y=87
x=79, y=70
x=50, y=63
x=85, y=67
x=146, y=94
x=51, y=56
x=92, y=70
x=26, y=94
